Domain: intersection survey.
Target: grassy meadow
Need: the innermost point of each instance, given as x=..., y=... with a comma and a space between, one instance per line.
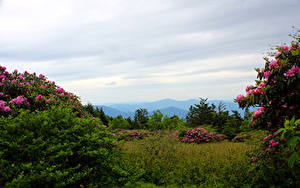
x=162, y=160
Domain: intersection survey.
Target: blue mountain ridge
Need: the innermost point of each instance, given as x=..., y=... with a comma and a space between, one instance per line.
x=168, y=107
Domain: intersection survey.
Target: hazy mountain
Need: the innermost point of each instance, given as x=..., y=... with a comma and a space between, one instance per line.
x=152, y=106
x=170, y=111
x=168, y=107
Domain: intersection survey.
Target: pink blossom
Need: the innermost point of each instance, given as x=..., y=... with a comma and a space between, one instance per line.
x=47, y=101
x=267, y=74
x=277, y=54
x=15, y=71
x=292, y=107
x=273, y=64
x=14, y=81
x=1, y=94
x=6, y=109
x=39, y=97
x=284, y=48
x=19, y=100
x=262, y=85
x=284, y=106
x=246, y=151
x=3, y=107
x=292, y=72
x=71, y=100
x=60, y=89
x=239, y=98
x=94, y=118
x=62, y=94
x=41, y=76
x=258, y=112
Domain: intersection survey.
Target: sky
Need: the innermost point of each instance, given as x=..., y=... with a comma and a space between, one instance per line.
x=112, y=51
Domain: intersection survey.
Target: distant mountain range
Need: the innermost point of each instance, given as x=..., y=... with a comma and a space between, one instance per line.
x=168, y=107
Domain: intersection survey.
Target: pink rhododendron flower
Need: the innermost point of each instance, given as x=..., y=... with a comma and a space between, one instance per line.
x=71, y=100
x=15, y=71
x=262, y=85
x=267, y=74
x=39, y=97
x=18, y=100
x=3, y=107
x=14, y=81
x=273, y=64
x=292, y=72
x=284, y=106
x=259, y=111
x=60, y=89
x=292, y=107
x=94, y=118
x=62, y=94
x=284, y=48
x=239, y=98
x=47, y=101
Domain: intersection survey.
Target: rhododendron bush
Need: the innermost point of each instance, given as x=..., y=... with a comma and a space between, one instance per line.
x=197, y=135
x=29, y=91
x=276, y=93
x=277, y=89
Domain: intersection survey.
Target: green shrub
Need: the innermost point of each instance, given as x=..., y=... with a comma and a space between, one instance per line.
x=119, y=122
x=55, y=148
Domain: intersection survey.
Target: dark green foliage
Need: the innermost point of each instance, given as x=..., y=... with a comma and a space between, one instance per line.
x=55, y=148
x=201, y=113
x=141, y=118
x=119, y=122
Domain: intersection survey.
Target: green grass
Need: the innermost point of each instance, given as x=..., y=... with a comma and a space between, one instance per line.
x=166, y=161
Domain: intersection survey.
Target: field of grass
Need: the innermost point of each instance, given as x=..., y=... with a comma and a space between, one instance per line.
x=163, y=160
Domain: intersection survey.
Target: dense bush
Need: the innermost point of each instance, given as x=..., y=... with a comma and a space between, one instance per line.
x=55, y=148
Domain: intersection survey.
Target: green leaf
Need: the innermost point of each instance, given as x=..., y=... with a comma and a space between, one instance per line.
x=292, y=141
x=294, y=157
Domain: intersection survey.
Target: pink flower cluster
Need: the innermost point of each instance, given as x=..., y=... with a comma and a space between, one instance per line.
x=19, y=100
x=239, y=98
x=293, y=71
x=3, y=107
x=273, y=64
x=39, y=97
x=259, y=111
x=269, y=142
x=198, y=135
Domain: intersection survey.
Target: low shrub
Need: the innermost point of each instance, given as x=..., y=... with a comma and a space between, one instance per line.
x=198, y=135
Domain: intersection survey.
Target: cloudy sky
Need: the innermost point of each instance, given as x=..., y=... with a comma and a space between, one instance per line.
x=139, y=50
